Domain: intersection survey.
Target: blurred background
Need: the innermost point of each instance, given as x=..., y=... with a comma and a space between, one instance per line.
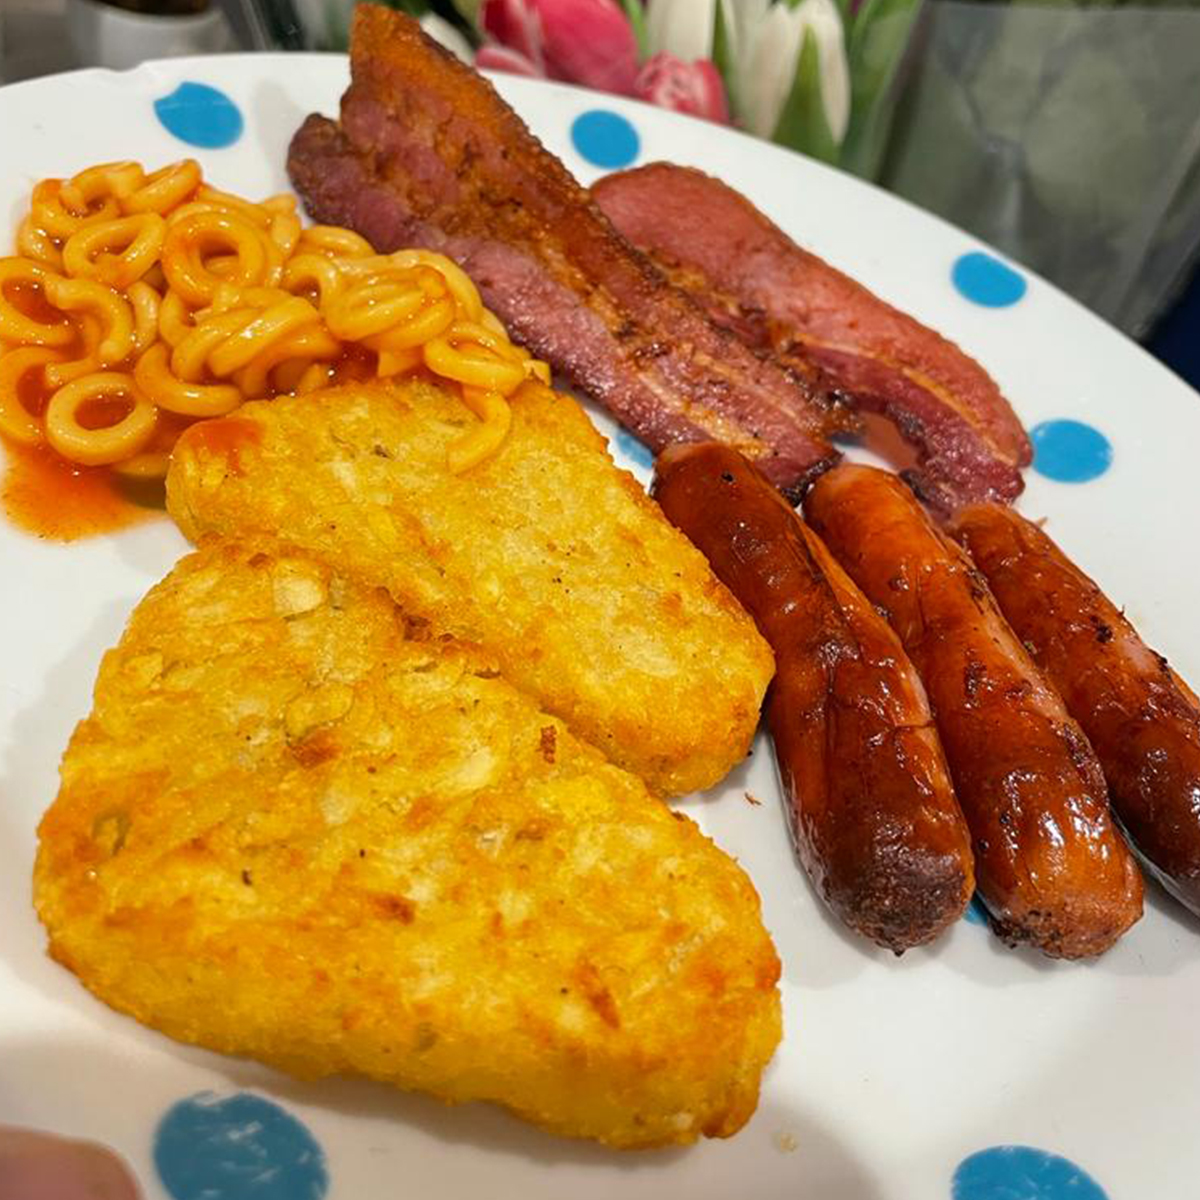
x=1067, y=134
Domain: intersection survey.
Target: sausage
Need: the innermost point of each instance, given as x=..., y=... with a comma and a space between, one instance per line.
x=1142, y=720
x=1051, y=867
x=871, y=807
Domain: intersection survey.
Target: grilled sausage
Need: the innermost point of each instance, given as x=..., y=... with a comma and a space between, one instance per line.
x=1141, y=718
x=872, y=811
x=1052, y=869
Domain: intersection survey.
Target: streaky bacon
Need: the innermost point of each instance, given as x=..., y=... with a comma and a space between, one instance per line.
x=428, y=154
x=753, y=279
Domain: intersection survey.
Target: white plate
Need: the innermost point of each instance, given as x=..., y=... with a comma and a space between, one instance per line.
x=892, y=1072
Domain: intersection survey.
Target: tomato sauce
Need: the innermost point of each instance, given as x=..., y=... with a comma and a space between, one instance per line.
x=62, y=501
x=44, y=494
x=31, y=300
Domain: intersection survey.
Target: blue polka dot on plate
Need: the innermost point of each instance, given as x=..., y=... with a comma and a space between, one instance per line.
x=1022, y=1173
x=975, y=912
x=239, y=1147
x=985, y=280
x=637, y=452
x=1070, y=451
x=201, y=116
x=605, y=139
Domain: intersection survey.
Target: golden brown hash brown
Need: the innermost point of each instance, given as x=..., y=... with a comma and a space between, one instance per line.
x=298, y=827
x=545, y=554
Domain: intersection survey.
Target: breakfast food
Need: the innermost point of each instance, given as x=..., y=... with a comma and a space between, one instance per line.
x=873, y=814
x=753, y=279
x=139, y=303
x=1141, y=718
x=545, y=554
x=298, y=827
x=427, y=154
x=1051, y=868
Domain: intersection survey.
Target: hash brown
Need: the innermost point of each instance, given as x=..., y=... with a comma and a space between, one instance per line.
x=298, y=826
x=545, y=554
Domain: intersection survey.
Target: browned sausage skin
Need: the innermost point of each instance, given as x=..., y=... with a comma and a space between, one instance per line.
x=1052, y=869
x=872, y=810
x=1140, y=718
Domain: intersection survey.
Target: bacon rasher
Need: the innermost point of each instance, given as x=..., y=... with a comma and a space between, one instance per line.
x=427, y=154
x=753, y=279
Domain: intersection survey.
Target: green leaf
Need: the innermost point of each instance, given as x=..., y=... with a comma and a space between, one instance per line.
x=414, y=8
x=802, y=123
x=722, y=55
x=879, y=37
x=637, y=20
x=470, y=10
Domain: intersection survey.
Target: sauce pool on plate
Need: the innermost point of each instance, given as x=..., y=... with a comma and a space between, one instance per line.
x=51, y=497
x=48, y=496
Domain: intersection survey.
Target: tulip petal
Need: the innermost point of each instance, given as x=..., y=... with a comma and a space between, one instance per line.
x=735, y=27
x=589, y=42
x=769, y=73
x=824, y=20
x=802, y=122
x=491, y=57
x=683, y=28
x=742, y=19
x=516, y=24
x=694, y=87
x=768, y=69
x=447, y=35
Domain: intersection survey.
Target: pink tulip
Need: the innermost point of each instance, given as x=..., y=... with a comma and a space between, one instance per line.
x=516, y=25
x=579, y=41
x=491, y=56
x=694, y=87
